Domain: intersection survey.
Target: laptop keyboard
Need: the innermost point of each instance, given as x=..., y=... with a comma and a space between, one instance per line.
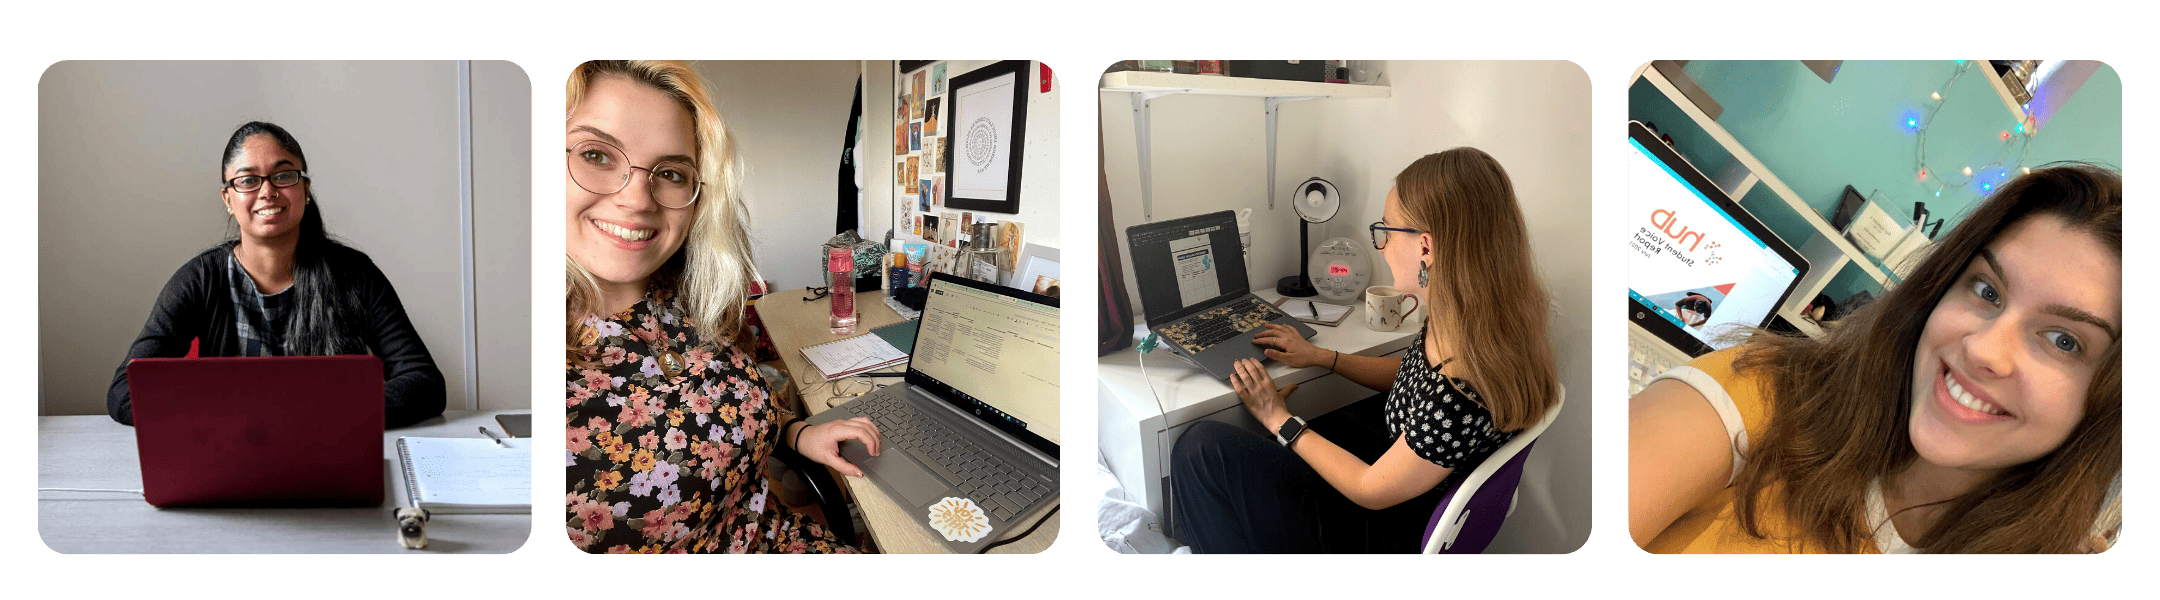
x=1649, y=356
x=992, y=482
x=1219, y=324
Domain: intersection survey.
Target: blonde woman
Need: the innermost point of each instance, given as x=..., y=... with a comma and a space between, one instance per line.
x=669, y=423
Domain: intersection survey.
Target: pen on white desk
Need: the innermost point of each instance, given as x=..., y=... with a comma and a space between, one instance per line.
x=1312, y=308
x=491, y=435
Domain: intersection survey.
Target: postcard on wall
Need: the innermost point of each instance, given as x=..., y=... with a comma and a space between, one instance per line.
x=918, y=226
x=930, y=113
x=920, y=89
x=937, y=191
x=899, y=171
x=1009, y=241
x=909, y=178
x=915, y=136
x=937, y=79
x=929, y=228
x=924, y=196
x=942, y=256
x=899, y=136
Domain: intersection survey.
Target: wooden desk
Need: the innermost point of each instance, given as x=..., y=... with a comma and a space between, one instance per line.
x=795, y=324
x=94, y=452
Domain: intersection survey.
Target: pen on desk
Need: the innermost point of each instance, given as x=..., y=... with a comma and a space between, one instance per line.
x=1312, y=308
x=491, y=435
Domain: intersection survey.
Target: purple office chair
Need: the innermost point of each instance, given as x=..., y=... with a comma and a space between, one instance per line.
x=1469, y=516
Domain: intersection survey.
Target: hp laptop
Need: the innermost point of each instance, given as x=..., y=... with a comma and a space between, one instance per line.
x=1191, y=274
x=971, y=437
x=1699, y=266
x=260, y=431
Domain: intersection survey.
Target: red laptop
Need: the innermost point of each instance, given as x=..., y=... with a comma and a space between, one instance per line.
x=260, y=431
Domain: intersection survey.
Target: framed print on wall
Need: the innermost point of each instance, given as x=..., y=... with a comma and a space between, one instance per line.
x=984, y=133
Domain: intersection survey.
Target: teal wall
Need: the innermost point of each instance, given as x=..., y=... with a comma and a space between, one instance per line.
x=1819, y=137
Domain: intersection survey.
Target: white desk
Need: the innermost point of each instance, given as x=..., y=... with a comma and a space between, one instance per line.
x=95, y=452
x=1135, y=434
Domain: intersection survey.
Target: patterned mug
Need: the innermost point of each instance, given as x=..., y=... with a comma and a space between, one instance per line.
x=1384, y=310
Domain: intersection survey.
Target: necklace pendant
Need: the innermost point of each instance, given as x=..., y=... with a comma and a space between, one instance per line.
x=671, y=362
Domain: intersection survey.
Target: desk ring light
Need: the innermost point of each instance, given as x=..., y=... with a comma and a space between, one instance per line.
x=1315, y=201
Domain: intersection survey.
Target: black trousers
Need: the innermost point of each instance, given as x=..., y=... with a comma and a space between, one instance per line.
x=1233, y=491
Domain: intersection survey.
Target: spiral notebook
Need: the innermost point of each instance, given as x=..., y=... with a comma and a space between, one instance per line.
x=882, y=347
x=467, y=475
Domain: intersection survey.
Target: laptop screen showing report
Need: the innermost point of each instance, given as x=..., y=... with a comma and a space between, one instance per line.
x=992, y=352
x=1184, y=264
x=1699, y=265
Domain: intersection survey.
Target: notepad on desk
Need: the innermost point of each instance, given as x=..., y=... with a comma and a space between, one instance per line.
x=882, y=347
x=467, y=475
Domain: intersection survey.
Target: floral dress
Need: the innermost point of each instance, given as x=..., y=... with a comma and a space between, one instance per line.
x=666, y=440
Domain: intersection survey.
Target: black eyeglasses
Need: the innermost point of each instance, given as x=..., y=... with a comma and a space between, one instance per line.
x=249, y=183
x=601, y=168
x=1380, y=234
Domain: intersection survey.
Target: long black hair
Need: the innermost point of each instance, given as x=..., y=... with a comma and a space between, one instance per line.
x=320, y=322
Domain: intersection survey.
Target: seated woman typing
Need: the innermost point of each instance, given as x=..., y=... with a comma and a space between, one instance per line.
x=282, y=287
x=1368, y=476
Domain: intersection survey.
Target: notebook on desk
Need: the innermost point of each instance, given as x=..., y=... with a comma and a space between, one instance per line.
x=971, y=437
x=259, y=431
x=467, y=475
x=1191, y=275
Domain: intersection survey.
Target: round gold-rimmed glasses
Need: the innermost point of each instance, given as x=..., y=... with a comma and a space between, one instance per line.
x=601, y=168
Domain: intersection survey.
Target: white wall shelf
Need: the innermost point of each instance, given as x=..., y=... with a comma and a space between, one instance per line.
x=1827, y=251
x=1146, y=86
x=1216, y=85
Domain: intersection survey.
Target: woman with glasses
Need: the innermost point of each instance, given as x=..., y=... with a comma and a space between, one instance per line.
x=282, y=287
x=669, y=423
x=1367, y=477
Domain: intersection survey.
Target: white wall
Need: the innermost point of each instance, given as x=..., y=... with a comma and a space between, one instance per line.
x=1210, y=155
x=790, y=119
x=1039, y=166
x=128, y=190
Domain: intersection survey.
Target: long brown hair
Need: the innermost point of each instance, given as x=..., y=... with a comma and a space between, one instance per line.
x=712, y=271
x=1841, y=404
x=1481, y=252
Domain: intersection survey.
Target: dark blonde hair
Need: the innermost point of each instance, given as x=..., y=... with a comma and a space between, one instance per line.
x=1481, y=251
x=712, y=271
x=1841, y=404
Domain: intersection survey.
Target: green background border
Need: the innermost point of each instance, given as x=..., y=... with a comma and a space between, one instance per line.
x=1076, y=39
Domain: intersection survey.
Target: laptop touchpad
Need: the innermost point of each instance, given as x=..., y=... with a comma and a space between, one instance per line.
x=897, y=473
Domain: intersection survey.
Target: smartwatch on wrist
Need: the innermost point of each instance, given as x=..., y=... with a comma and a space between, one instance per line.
x=1291, y=429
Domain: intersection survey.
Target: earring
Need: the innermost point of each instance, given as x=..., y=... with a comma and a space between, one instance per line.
x=1424, y=274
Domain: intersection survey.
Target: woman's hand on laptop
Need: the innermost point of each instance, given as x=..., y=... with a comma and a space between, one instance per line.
x=821, y=442
x=1284, y=343
x=1260, y=395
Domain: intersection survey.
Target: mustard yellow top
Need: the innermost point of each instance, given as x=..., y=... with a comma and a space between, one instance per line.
x=1712, y=527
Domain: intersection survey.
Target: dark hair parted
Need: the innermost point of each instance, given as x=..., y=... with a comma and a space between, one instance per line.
x=1481, y=250
x=320, y=323
x=1840, y=405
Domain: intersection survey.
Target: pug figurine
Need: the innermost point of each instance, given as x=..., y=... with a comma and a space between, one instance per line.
x=412, y=527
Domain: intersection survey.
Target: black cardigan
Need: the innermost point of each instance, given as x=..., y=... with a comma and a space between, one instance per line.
x=197, y=303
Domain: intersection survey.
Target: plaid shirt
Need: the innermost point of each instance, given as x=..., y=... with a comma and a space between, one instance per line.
x=259, y=318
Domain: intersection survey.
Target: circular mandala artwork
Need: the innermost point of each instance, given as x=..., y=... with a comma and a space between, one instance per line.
x=981, y=143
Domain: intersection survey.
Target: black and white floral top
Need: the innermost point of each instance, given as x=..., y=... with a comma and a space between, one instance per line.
x=1442, y=416
x=667, y=438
